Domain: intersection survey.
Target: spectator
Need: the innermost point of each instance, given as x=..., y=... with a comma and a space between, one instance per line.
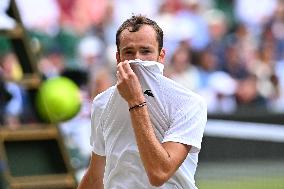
x=53, y=63
x=233, y=63
x=248, y=97
x=5, y=97
x=217, y=27
x=181, y=68
x=190, y=15
x=12, y=107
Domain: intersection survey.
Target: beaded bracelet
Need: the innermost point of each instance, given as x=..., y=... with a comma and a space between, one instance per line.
x=138, y=106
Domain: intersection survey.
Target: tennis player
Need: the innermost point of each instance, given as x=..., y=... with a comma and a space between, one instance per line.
x=146, y=130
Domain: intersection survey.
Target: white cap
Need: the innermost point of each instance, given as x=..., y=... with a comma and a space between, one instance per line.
x=222, y=82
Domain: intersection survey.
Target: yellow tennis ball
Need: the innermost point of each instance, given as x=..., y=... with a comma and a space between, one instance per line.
x=58, y=99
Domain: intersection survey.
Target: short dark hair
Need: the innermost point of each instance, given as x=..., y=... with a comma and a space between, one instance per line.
x=134, y=23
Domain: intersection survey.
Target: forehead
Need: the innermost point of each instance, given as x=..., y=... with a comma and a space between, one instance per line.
x=146, y=35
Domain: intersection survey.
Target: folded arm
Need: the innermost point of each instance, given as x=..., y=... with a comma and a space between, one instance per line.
x=93, y=178
x=160, y=160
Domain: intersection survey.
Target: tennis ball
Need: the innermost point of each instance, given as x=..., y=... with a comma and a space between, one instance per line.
x=58, y=99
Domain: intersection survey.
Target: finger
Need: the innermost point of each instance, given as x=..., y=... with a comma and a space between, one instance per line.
x=118, y=77
x=121, y=71
x=127, y=68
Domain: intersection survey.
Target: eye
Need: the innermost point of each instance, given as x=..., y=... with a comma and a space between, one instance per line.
x=145, y=51
x=128, y=52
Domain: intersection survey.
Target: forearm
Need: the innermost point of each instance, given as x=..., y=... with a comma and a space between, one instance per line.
x=160, y=160
x=156, y=160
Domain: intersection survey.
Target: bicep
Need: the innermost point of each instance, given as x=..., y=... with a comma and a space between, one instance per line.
x=93, y=178
x=177, y=152
x=97, y=165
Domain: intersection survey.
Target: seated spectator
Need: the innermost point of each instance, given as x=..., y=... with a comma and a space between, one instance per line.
x=181, y=68
x=5, y=97
x=248, y=97
x=12, y=104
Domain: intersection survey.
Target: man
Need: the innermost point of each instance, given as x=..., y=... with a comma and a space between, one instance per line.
x=5, y=97
x=158, y=147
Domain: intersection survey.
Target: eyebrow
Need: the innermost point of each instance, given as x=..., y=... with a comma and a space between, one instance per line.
x=146, y=47
x=130, y=48
x=127, y=48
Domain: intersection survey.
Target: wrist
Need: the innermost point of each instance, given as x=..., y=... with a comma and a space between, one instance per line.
x=138, y=106
x=135, y=102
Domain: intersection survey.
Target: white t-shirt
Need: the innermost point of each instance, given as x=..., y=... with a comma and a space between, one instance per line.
x=177, y=115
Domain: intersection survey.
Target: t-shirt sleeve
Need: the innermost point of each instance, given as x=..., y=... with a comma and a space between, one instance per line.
x=188, y=123
x=97, y=139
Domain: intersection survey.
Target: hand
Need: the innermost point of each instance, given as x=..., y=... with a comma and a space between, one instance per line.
x=128, y=84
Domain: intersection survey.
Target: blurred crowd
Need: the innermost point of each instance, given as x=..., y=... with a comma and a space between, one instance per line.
x=229, y=51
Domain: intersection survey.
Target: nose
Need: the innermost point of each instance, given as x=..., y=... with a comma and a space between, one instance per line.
x=137, y=55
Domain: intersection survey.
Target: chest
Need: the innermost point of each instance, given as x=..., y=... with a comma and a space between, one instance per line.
x=118, y=133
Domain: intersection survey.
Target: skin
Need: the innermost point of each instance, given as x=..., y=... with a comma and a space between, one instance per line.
x=93, y=178
x=160, y=160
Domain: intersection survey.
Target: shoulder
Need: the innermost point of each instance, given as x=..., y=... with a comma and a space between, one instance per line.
x=100, y=101
x=175, y=89
x=179, y=96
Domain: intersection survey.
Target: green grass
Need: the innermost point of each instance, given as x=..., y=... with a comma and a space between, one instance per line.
x=250, y=174
x=245, y=183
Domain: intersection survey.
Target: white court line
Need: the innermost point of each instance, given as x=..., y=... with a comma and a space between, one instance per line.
x=245, y=130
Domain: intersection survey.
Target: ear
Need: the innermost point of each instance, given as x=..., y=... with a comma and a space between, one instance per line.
x=117, y=58
x=162, y=56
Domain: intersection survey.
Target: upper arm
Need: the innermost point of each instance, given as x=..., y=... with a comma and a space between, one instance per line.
x=188, y=123
x=97, y=165
x=93, y=178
